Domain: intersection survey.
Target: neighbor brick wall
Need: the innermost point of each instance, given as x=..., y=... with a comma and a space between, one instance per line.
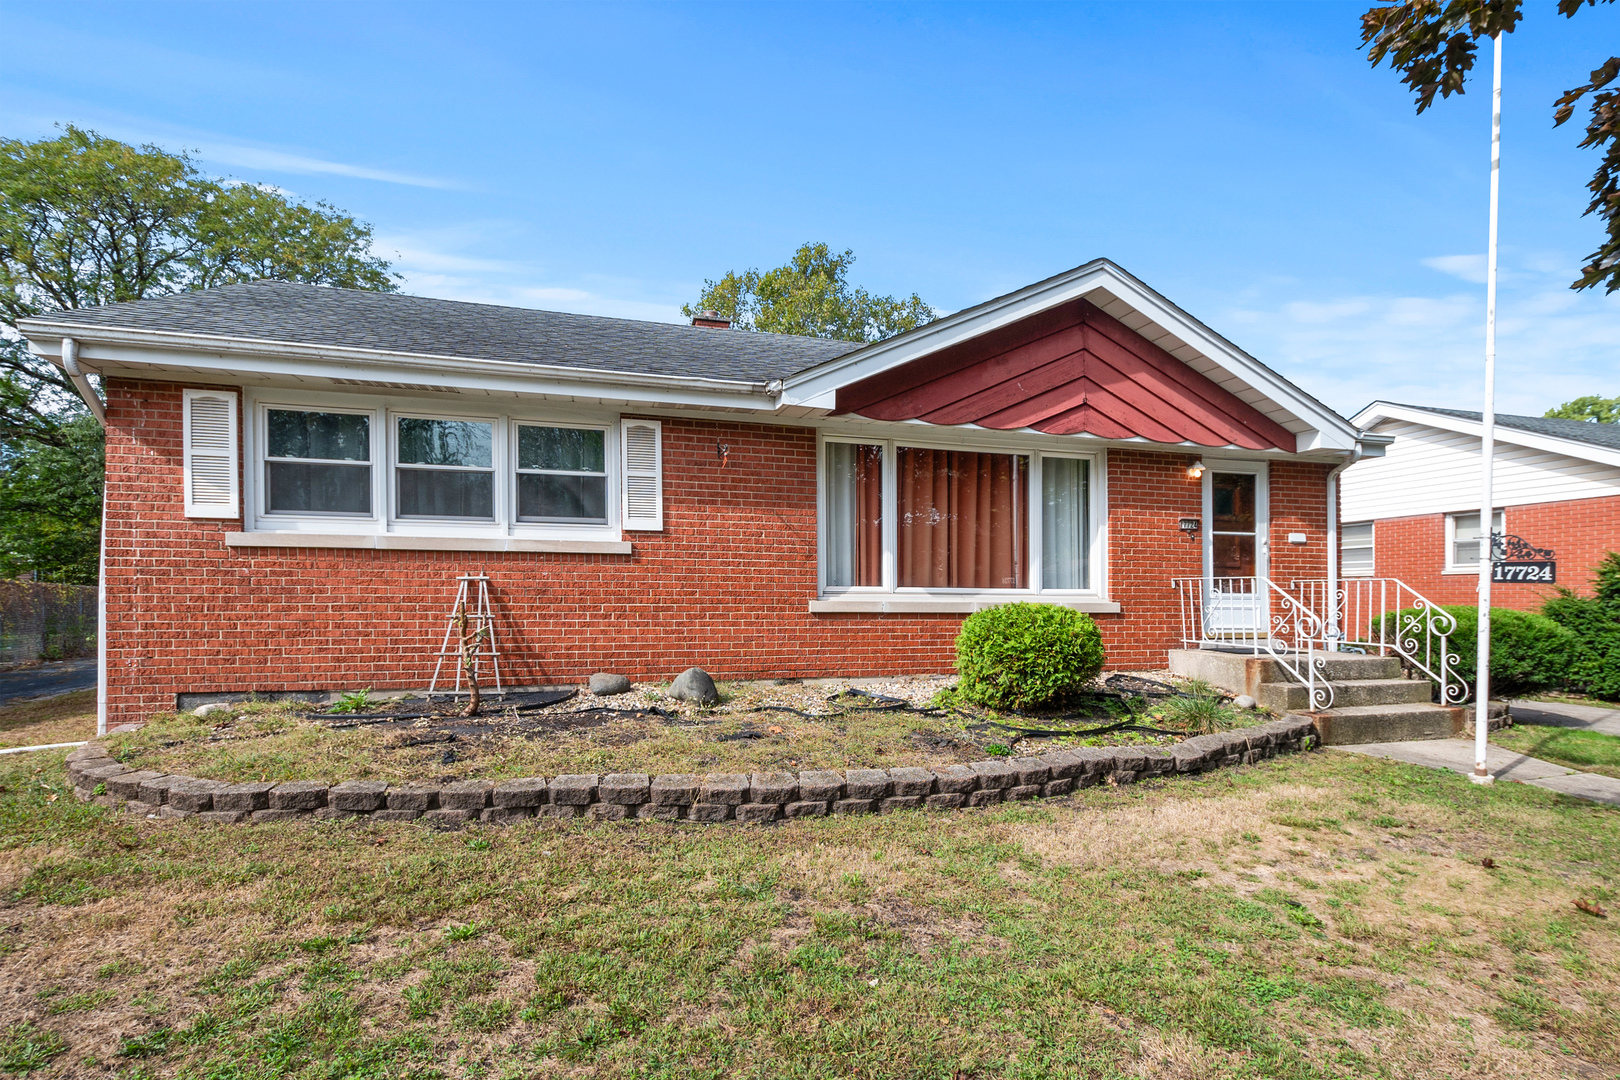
x=1579, y=532
x=725, y=586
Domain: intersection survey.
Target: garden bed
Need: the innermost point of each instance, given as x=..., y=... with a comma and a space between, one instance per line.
x=756, y=727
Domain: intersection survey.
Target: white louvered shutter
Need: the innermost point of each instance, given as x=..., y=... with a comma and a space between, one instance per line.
x=643, y=474
x=210, y=454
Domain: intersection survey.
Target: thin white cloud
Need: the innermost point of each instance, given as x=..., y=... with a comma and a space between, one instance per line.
x=1468, y=267
x=258, y=157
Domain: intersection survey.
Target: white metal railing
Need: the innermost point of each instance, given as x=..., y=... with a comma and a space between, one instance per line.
x=1254, y=614
x=1388, y=617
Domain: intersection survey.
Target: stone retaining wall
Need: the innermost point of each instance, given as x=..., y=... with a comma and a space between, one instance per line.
x=745, y=797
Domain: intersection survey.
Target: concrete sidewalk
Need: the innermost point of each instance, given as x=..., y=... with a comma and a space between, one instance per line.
x=1458, y=756
x=1562, y=714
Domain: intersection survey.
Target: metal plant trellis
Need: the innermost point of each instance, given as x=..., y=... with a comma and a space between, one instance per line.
x=469, y=640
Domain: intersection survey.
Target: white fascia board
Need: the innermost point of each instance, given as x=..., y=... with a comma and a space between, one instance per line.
x=121, y=351
x=1332, y=432
x=1380, y=411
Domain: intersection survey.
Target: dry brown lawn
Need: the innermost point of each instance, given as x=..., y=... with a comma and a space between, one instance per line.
x=44, y=721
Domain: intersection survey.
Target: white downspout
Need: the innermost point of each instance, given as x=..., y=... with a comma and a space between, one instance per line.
x=70, y=364
x=1333, y=542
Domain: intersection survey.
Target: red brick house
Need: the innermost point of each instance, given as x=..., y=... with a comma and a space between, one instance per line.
x=296, y=477
x=1414, y=512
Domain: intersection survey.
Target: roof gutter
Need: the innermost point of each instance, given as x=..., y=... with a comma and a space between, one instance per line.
x=81, y=382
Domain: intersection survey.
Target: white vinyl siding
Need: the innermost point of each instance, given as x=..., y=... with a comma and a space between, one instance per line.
x=210, y=454
x=1427, y=470
x=1356, y=549
x=643, y=480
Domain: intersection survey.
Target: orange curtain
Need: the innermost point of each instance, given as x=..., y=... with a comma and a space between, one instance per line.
x=869, y=515
x=963, y=518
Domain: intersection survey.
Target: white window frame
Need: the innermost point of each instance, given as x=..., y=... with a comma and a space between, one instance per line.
x=1498, y=524
x=517, y=424
x=1372, y=546
x=498, y=452
x=260, y=460
x=1096, y=513
x=384, y=412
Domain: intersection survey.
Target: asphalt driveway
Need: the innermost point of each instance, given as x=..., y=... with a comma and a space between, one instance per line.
x=56, y=677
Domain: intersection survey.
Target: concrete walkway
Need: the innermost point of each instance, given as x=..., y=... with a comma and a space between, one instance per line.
x=1458, y=754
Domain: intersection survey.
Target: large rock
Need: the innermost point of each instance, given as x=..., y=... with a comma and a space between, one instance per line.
x=694, y=684
x=603, y=684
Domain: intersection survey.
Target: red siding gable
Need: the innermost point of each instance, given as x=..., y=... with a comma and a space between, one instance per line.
x=1068, y=371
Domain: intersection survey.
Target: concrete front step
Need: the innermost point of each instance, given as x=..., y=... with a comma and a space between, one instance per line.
x=1245, y=673
x=1353, y=724
x=1293, y=696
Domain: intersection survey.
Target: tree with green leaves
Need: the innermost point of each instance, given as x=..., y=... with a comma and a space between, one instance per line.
x=85, y=221
x=1597, y=410
x=1434, y=45
x=812, y=296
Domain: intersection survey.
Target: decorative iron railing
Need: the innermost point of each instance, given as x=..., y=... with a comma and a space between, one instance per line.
x=1254, y=614
x=1388, y=617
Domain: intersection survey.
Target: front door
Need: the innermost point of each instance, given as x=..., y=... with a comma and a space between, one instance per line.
x=1235, y=601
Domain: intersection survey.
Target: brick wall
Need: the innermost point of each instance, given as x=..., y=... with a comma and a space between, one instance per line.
x=725, y=586
x=1579, y=531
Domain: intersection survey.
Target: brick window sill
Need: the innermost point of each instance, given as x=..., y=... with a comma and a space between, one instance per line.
x=394, y=542
x=940, y=605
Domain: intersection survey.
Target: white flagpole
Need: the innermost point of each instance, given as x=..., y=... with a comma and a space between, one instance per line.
x=1487, y=449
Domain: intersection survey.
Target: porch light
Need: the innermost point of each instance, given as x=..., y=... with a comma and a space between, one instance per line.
x=1195, y=471
x=1191, y=525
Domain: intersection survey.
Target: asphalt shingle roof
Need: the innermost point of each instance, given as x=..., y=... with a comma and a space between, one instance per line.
x=316, y=315
x=1604, y=435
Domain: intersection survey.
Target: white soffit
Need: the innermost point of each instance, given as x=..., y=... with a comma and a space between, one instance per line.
x=1380, y=412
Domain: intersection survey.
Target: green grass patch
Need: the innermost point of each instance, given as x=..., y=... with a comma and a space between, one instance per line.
x=1573, y=748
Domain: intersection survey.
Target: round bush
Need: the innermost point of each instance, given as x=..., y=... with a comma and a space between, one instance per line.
x=1528, y=651
x=1026, y=656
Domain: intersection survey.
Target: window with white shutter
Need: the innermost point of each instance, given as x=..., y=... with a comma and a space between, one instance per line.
x=210, y=454
x=643, y=475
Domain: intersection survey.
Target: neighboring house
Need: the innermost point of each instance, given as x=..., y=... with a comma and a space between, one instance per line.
x=297, y=475
x=1413, y=514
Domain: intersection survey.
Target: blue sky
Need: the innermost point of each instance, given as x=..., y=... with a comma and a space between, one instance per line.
x=1243, y=159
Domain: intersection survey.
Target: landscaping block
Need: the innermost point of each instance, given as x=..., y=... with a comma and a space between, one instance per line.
x=674, y=789
x=709, y=811
x=141, y=809
x=127, y=785
x=396, y=815
x=357, y=796
x=805, y=808
x=625, y=789
x=1024, y=791
x=910, y=781
x=1030, y=771
x=854, y=806
x=1060, y=787
x=332, y=813
x=1131, y=759
x=248, y=797
x=223, y=817
x=102, y=773
x=575, y=789
x=900, y=802
x=731, y=789
x=947, y=800
x=175, y=813
x=758, y=812
x=866, y=783
x=465, y=795
x=1157, y=762
x=820, y=785
x=773, y=787
x=607, y=811
x=505, y=815
x=1188, y=759
x=954, y=779
x=418, y=797
x=526, y=793
x=559, y=810
x=994, y=774
x=275, y=815
x=298, y=795
x=1065, y=764
x=446, y=817
x=156, y=790
x=985, y=796
x=660, y=813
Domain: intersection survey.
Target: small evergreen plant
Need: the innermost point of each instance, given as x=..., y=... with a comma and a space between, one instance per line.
x=1026, y=656
x=1528, y=651
x=1595, y=622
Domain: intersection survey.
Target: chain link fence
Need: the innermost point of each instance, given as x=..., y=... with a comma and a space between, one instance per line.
x=41, y=621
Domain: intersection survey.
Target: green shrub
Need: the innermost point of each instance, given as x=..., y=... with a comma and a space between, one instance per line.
x=1595, y=622
x=1026, y=656
x=1528, y=651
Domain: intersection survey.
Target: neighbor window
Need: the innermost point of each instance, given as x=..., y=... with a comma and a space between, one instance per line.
x=1463, y=539
x=445, y=468
x=317, y=462
x=1356, y=549
x=962, y=519
x=561, y=474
